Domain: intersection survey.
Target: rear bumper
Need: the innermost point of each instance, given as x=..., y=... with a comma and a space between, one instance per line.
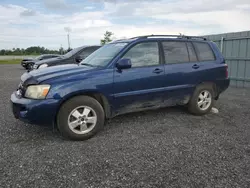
x=40, y=112
x=222, y=85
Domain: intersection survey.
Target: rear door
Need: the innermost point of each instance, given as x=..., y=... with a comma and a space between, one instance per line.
x=141, y=86
x=209, y=66
x=180, y=71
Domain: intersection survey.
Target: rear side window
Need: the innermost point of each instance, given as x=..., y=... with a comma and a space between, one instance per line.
x=204, y=51
x=175, y=52
x=191, y=52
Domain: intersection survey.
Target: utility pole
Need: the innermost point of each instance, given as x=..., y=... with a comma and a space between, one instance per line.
x=61, y=50
x=68, y=30
x=68, y=41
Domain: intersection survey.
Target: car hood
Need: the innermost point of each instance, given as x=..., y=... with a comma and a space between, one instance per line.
x=28, y=59
x=40, y=75
x=50, y=61
x=31, y=61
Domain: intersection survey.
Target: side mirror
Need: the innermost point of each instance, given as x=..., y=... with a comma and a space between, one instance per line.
x=124, y=64
x=78, y=59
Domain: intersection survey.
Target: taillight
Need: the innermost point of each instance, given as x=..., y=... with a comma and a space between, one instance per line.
x=226, y=70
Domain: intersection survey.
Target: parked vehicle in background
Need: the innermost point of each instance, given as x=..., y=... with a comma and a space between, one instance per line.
x=29, y=62
x=74, y=56
x=124, y=76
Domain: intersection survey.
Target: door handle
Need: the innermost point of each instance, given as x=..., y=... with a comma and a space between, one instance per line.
x=158, y=71
x=195, y=66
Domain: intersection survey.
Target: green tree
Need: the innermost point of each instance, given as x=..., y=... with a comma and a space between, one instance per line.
x=107, y=37
x=3, y=52
x=61, y=50
x=33, y=50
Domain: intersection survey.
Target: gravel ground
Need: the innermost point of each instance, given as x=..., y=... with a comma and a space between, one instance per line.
x=162, y=148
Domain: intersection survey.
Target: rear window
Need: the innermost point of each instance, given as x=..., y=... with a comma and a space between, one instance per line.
x=204, y=51
x=175, y=52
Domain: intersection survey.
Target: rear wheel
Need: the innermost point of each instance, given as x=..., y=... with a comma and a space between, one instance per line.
x=202, y=100
x=80, y=118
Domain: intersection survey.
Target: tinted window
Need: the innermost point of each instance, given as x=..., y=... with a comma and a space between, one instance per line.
x=175, y=52
x=72, y=52
x=143, y=54
x=204, y=52
x=86, y=52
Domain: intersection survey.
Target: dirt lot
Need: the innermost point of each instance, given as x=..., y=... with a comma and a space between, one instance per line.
x=162, y=148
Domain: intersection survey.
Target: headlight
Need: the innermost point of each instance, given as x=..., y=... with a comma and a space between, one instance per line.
x=37, y=91
x=43, y=66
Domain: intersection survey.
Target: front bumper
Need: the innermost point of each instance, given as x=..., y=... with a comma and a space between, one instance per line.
x=41, y=112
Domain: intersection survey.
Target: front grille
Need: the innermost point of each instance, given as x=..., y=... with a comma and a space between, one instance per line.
x=20, y=90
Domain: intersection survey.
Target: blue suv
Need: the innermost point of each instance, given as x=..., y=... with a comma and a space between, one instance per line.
x=123, y=76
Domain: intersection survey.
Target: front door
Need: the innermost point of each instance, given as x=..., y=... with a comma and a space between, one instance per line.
x=139, y=87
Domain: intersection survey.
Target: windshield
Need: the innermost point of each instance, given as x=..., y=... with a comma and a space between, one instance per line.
x=72, y=52
x=39, y=57
x=104, y=55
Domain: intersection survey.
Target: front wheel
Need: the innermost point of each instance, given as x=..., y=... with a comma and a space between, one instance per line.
x=80, y=118
x=202, y=100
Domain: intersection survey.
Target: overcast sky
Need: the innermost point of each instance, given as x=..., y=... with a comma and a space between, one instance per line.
x=26, y=23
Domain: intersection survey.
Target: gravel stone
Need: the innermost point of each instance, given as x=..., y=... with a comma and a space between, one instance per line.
x=161, y=148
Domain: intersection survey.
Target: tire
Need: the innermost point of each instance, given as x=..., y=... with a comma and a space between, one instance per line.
x=68, y=114
x=195, y=104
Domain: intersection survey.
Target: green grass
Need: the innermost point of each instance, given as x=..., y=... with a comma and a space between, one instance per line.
x=10, y=61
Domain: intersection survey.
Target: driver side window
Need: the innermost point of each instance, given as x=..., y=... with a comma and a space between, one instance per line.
x=143, y=54
x=86, y=52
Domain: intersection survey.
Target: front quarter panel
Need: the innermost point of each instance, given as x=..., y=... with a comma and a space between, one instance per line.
x=99, y=81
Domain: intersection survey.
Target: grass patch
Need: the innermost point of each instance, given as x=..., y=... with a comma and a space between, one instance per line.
x=10, y=61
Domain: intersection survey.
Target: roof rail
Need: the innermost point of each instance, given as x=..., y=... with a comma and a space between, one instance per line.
x=177, y=36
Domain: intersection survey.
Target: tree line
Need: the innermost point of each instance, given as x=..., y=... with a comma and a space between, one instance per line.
x=37, y=50
x=33, y=50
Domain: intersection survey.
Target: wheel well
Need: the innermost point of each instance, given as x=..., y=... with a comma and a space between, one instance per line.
x=214, y=86
x=97, y=96
x=102, y=100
